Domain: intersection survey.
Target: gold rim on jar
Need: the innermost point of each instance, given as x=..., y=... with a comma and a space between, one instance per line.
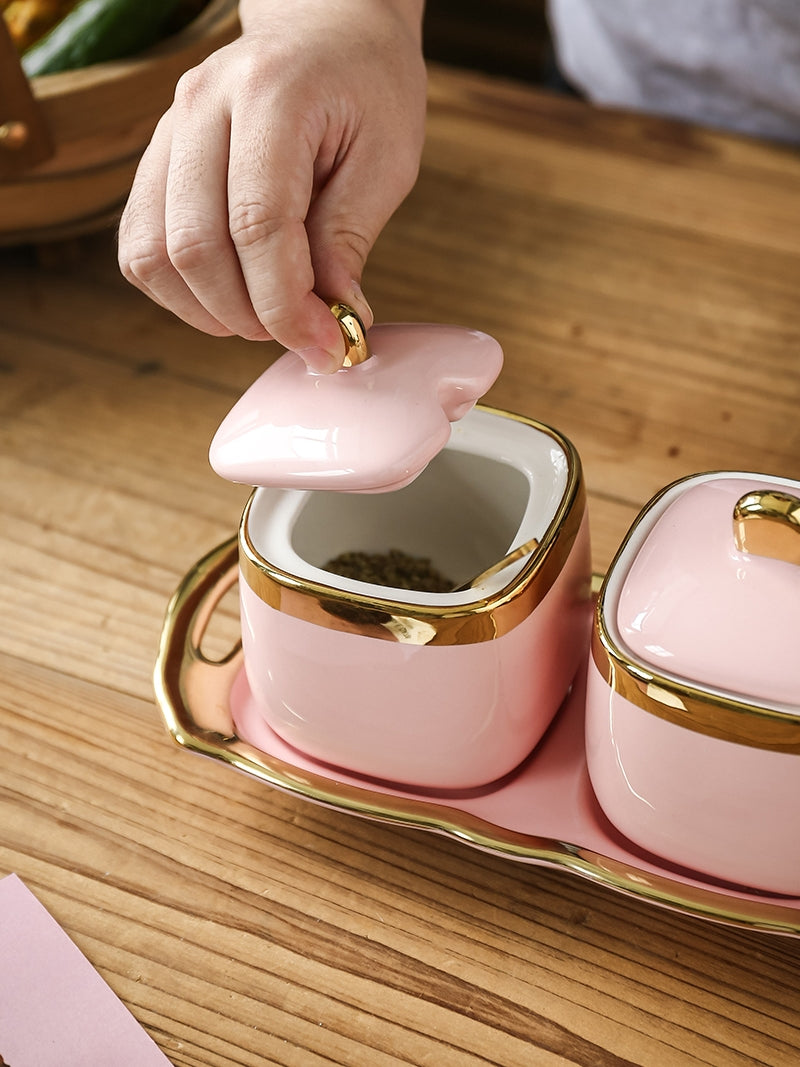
x=483, y=619
x=709, y=711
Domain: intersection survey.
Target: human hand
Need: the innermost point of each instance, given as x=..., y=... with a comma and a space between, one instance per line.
x=282, y=157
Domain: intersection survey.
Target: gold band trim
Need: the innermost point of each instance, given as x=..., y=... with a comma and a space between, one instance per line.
x=714, y=714
x=386, y=619
x=194, y=695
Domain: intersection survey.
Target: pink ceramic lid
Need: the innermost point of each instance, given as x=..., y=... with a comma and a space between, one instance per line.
x=370, y=427
x=715, y=599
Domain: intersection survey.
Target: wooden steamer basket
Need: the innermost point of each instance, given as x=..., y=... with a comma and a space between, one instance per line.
x=70, y=142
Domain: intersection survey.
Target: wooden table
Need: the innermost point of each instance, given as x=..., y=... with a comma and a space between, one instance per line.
x=643, y=279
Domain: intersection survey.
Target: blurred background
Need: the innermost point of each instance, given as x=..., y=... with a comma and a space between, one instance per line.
x=509, y=38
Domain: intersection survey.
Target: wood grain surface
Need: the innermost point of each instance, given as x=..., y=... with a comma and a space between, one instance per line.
x=642, y=277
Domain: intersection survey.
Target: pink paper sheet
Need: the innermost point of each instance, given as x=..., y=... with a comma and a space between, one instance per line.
x=55, y=1009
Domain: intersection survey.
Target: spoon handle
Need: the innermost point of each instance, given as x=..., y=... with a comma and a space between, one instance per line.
x=515, y=554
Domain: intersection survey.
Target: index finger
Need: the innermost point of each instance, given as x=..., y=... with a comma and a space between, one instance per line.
x=270, y=185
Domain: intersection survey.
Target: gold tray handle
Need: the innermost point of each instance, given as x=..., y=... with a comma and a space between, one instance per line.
x=766, y=522
x=184, y=676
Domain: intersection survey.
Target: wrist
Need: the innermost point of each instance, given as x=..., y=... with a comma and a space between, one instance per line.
x=410, y=12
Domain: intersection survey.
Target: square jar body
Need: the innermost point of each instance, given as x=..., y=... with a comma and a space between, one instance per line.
x=693, y=695
x=436, y=690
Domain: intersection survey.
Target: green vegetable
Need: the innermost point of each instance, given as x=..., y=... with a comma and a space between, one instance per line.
x=96, y=31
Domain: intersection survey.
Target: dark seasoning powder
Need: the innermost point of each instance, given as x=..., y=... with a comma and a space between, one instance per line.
x=393, y=568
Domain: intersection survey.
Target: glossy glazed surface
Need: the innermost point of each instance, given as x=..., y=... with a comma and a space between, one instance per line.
x=414, y=709
x=457, y=716
x=696, y=606
x=498, y=483
x=722, y=809
x=368, y=428
x=684, y=603
x=545, y=813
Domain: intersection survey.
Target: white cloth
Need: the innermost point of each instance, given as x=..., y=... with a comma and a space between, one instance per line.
x=733, y=64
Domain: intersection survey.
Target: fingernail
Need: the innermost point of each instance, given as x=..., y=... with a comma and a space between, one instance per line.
x=320, y=361
x=361, y=305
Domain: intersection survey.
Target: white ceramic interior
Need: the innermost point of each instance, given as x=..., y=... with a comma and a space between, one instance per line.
x=497, y=484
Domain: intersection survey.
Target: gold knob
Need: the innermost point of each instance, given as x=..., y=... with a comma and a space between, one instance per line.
x=766, y=522
x=355, y=336
x=13, y=134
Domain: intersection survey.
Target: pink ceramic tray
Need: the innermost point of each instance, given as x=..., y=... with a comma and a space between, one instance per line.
x=544, y=814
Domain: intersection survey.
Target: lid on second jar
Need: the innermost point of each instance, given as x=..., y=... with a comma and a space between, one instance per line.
x=708, y=588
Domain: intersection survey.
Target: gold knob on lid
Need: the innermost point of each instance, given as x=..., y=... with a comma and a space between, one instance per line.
x=766, y=522
x=355, y=336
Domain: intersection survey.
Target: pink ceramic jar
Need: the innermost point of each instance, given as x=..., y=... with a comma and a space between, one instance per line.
x=693, y=706
x=445, y=690
x=440, y=690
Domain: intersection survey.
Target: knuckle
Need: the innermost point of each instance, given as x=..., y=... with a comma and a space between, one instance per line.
x=250, y=223
x=189, y=248
x=405, y=172
x=252, y=73
x=280, y=316
x=191, y=87
x=357, y=243
x=141, y=261
x=408, y=172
